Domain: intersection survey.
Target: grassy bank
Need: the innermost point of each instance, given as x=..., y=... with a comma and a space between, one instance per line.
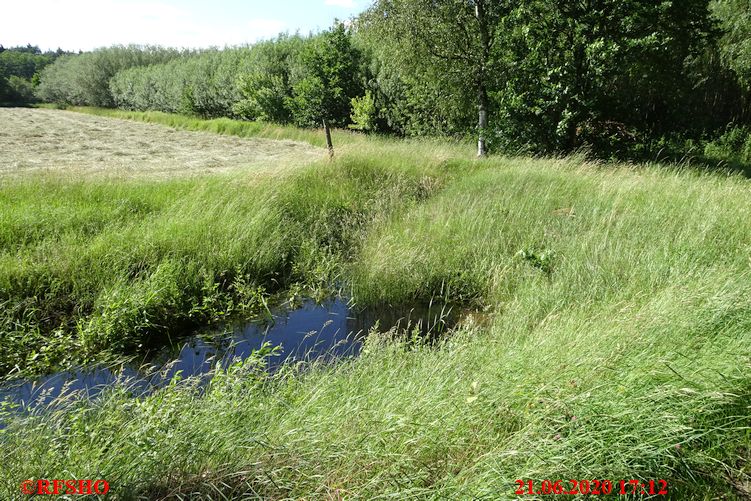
x=228, y=126
x=97, y=267
x=615, y=343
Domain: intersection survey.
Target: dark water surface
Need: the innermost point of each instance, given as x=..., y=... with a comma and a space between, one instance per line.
x=329, y=330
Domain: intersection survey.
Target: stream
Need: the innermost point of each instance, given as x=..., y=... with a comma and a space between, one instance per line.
x=313, y=331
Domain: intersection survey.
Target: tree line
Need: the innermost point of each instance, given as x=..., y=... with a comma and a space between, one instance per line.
x=617, y=78
x=84, y=79
x=20, y=69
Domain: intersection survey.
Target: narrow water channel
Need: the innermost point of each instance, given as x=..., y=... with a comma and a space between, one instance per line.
x=328, y=331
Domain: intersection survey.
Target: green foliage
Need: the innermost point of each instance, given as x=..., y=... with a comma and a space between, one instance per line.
x=287, y=79
x=364, y=113
x=309, y=102
x=22, y=64
x=325, y=79
x=578, y=73
x=265, y=87
x=263, y=98
x=19, y=72
x=20, y=90
x=618, y=79
x=202, y=84
x=732, y=146
x=542, y=260
x=84, y=79
x=432, y=58
x=607, y=76
x=735, y=18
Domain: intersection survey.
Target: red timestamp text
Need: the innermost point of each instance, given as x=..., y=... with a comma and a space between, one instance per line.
x=592, y=487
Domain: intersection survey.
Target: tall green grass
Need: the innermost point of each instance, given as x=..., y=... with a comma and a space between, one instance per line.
x=102, y=267
x=613, y=339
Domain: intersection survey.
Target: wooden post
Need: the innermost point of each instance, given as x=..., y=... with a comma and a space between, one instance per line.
x=329, y=144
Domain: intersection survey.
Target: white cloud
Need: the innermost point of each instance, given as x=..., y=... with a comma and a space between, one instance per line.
x=347, y=4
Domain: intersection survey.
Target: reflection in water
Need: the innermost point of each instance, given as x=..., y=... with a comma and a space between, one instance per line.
x=314, y=331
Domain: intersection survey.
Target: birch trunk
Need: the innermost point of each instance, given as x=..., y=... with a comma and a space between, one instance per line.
x=483, y=121
x=482, y=91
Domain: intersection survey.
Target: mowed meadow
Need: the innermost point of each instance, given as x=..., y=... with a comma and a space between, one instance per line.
x=606, y=331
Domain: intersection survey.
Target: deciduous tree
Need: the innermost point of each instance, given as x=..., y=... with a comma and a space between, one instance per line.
x=326, y=78
x=459, y=38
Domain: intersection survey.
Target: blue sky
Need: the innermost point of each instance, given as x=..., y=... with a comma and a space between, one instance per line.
x=87, y=24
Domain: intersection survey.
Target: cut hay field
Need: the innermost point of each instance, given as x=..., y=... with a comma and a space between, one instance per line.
x=615, y=340
x=74, y=144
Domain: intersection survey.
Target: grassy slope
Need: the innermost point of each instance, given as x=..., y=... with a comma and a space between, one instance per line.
x=618, y=343
x=228, y=126
x=100, y=265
